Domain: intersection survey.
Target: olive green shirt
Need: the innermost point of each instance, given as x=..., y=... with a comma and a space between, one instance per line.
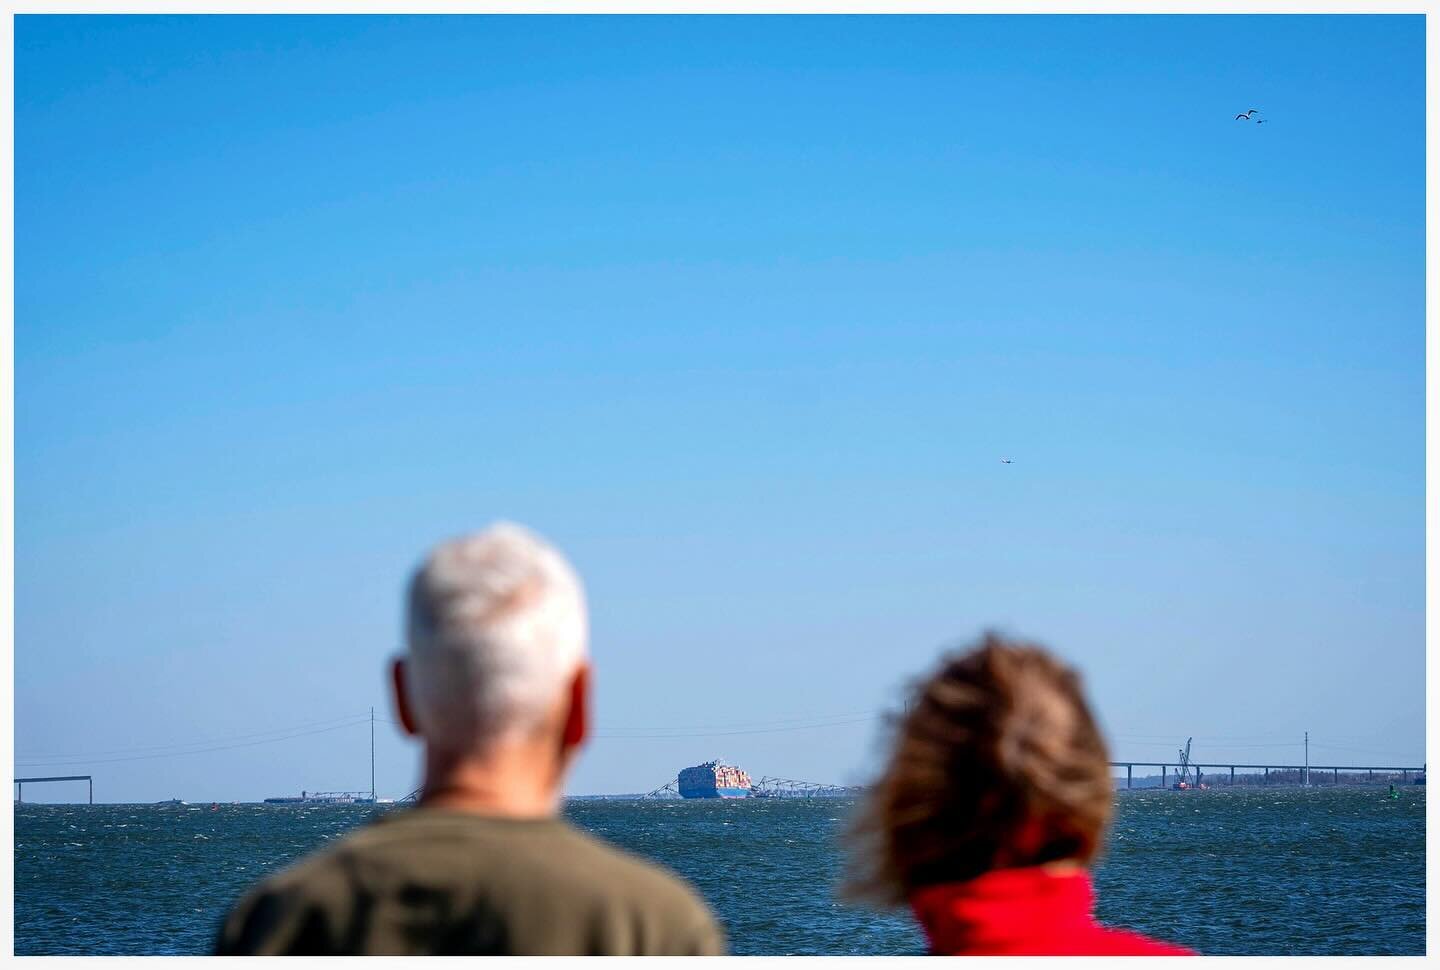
x=435, y=881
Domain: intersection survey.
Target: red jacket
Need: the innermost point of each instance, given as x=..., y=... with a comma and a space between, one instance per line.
x=1032, y=912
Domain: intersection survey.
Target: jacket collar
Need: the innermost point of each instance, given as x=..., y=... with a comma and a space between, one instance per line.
x=1003, y=907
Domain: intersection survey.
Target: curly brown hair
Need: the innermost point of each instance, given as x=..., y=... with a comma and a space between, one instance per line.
x=997, y=763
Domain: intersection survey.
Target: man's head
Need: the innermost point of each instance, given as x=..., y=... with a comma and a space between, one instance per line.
x=998, y=764
x=496, y=651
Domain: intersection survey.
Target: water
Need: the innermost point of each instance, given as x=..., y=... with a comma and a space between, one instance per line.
x=1227, y=872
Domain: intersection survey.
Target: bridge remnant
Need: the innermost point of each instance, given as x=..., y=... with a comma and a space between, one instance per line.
x=21, y=782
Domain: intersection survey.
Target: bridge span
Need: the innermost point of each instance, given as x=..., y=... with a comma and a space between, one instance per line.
x=1406, y=772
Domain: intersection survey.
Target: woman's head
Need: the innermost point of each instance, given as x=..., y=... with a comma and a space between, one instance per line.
x=997, y=764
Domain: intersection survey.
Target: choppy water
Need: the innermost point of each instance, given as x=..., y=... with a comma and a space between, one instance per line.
x=1232, y=872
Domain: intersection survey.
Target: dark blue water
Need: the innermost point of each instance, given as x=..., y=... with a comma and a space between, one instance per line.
x=1338, y=871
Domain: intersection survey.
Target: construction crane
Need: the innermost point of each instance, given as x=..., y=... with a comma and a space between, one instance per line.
x=1182, y=775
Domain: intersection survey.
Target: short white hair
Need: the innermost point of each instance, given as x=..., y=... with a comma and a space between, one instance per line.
x=496, y=630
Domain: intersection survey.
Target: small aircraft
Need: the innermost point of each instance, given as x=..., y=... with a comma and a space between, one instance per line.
x=1007, y=461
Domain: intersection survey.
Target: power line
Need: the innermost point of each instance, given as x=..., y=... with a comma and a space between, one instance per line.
x=1342, y=747
x=191, y=744
x=721, y=734
x=661, y=734
x=658, y=730
x=1213, y=738
x=738, y=725
x=177, y=754
x=1226, y=745
x=678, y=732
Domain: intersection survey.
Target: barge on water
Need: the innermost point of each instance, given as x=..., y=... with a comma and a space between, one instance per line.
x=324, y=798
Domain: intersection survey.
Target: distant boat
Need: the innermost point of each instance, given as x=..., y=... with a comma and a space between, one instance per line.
x=170, y=803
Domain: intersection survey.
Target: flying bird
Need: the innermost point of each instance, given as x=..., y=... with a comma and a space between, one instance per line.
x=1007, y=461
x=1259, y=121
x=1246, y=115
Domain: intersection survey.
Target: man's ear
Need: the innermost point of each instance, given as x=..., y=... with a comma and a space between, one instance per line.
x=577, y=720
x=398, y=682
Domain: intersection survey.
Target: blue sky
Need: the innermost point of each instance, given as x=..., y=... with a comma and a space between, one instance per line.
x=741, y=313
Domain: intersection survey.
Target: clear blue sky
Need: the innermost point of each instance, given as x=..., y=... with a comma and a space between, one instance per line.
x=741, y=313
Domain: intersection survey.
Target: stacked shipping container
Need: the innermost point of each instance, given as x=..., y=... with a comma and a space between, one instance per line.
x=714, y=780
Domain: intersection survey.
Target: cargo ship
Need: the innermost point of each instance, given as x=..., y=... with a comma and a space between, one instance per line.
x=714, y=780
